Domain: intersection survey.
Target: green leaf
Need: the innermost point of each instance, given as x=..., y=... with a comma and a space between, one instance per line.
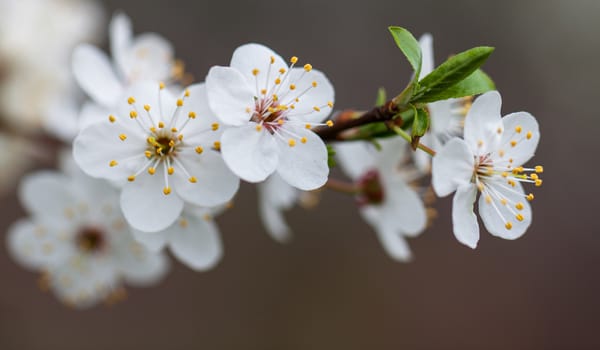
x=331, y=156
x=381, y=97
x=409, y=47
x=451, y=72
x=420, y=126
x=476, y=83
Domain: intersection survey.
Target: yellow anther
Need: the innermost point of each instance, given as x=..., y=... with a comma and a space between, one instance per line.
x=508, y=225
x=199, y=150
x=258, y=127
x=111, y=118
x=214, y=126
x=280, y=121
x=248, y=110
x=308, y=67
x=488, y=199
x=179, y=102
x=147, y=108
x=520, y=217
x=153, y=129
x=292, y=106
x=272, y=59
x=539, y=169
x=171, y=143
x=294, y=59
x=131, y=100
x=271, y=110
x=513, y=143
x=501, y=153
x=510, y=160
x=529, y=135
x=292, y=142
x=161, y=85
x=133, y=114
x=255, y=71
x=503, y=201
x=292, y=87
x=329, y=123
x=297, y=99
x=186, y=93
x=173, y=129
x=180, y=137
x=123, y=137
x=303, y=140
x=330, y=104
x=530, y=197
x=193, y=179
x=263, y=91
x=504, y=174
x=512, y=183
x=192, y=115
x=534, y=176
x=538, y=182
x=131, y=178
x=282, y=71
x=167, y=191
x=151, y=171
x=277, y=81
x=217, y=145
x=479, y=143
x=308, y=126
x=161, y=125
x=519, y=206
x=499, y=131
x=113, y=163
x=317, y=109
x=148, y=154
x=480, y=186
x=314, y=84
x=170, y=170
x=518, y=129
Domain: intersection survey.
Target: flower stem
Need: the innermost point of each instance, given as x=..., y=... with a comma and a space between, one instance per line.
x=408, y=138
x=342, y=186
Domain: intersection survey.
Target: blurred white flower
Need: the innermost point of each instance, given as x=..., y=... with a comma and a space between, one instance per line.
x=271, y=108
x=386, y=201
x=446, y=116
x=164, y=150
x=77, y=237
x=36, y=40
x=489, y=159
x=275, y=196
x=194, y=239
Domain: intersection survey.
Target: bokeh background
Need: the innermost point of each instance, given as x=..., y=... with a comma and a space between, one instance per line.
x=333, y=287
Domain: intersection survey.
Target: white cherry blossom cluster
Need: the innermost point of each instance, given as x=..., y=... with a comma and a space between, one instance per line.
x=154, y=161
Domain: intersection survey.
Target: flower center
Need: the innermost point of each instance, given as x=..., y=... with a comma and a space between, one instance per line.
x=90, y=240
x=371, y=189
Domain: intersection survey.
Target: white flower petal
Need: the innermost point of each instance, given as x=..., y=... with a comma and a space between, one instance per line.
x=153, y=241
x=46, y=193
x=402, y=208
x=422, y=159
x=426, y=44
x=393, y=243
x=140, y=267
x=215, y=185
x=356, y=157
x=146, y=207
x=483, y=122
x=250, y=154
x=464, y=221
x=197, y=102
x=319, y=96
x=490, y=212
x=525, y=141
x=303, y=166
x=92, y=113
x=229, y=95
x=252, y=56
x=452, y=167
x=197, y=244
x=120, y=32
x=95, y=75
x=274, y=196
x=61, y=117
x=150, y=57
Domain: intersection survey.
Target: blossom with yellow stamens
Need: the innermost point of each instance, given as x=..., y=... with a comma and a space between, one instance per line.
x=268, y=105
x=160, y=168
x=489, y=160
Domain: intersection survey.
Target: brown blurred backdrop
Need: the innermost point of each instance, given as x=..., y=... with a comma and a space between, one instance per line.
x=334, y=287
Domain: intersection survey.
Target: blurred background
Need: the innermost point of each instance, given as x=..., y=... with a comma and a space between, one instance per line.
x=333, y=286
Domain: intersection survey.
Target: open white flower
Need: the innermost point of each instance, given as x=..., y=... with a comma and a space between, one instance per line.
x=271, y=108
x=193, y=239
x=275, y=196
x=386, y=201
x=489, y=160
x=446, y=116
x=78, y=238
x=164, y=149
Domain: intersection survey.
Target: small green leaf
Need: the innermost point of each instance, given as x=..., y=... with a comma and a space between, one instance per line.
x=381, y=97
x=476, y=83
x=376, y=144
x=451, y=72
x=331, y=156
x=420, y=126
x=409, y=47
